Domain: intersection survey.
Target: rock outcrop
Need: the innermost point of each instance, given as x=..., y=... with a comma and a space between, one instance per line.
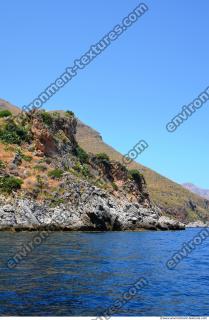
x=197, y=224
x=95, y=210
x=64, y=188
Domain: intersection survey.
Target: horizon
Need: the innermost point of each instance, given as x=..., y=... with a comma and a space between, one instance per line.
x=112, y=94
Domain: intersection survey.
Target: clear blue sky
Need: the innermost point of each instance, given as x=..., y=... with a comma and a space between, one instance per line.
x=132, y=89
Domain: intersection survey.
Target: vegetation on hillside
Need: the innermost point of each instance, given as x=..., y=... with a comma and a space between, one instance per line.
x=9, y=184
x=70, y=113
x=103, y=157
x=12, y=133
x=172, y=198
x=2, y=164
x=55, y=173
x=81, y=154
x=135, y=175
x=169, y=196
x=5, y=113
x=47, y=118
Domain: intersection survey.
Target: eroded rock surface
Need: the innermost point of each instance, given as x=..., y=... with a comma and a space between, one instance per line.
x=63, y=187
x=93, y=210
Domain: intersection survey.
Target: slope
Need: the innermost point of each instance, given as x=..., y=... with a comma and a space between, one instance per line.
x=172, y=198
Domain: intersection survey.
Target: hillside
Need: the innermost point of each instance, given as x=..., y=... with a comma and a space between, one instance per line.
x=48, y=181
x=204, y=193
x=5, y=105
x=174, y=200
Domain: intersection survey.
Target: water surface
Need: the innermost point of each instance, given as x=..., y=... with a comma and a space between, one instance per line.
x=82, y=274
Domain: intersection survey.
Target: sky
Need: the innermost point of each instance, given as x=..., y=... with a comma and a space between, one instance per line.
x=130, y=91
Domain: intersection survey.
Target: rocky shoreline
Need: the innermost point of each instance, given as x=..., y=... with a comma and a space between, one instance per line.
x=197, y=224
x=97, y=211
x=47, y=181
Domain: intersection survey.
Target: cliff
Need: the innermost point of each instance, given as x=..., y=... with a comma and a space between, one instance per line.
x=173, y=199
x=48, y=181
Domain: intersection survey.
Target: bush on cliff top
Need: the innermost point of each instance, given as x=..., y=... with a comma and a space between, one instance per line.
x=9, y=184
x=70, y=113
x=103, y=157
x=47, y=118
x=135, y=175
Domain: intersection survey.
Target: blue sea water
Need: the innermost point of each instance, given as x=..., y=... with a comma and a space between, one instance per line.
x=83, y=274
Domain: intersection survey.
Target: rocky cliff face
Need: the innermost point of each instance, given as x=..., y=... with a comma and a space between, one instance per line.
x=87, y=209
x=48, y=181
x=174, y=200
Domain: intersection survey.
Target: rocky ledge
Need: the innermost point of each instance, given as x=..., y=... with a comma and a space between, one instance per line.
x=96, y=210
x=197, y=224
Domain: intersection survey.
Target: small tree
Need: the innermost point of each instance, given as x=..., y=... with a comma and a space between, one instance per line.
x=135, y=175
x=103, y=157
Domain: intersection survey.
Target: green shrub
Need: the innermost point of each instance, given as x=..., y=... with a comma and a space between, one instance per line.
x=40, y=182
x=135, y=175
x=9, y=137
x=40, y=167
x=82, y=155
x=56, y=173
x=103, y=157
x=55, y=114
x=13, y=134
x=70, y=113
x=77, y=167
x=82, y=168
x=27, y=158
x=46, y=118
x=56, y=202
x=101, y=184
x=2, y=164
x=24, y=156
x=5, y=113
x=85, y=170
x=9, y=184
x=22, y=133
x=10, y=148
x=114, y=186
